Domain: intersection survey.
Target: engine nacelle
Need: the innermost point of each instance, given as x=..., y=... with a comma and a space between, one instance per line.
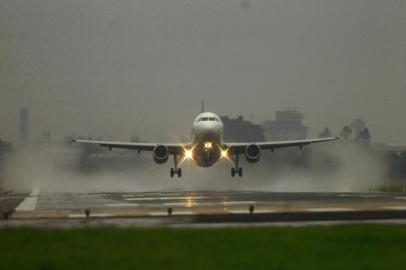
x=252, y=153
x=161, y=154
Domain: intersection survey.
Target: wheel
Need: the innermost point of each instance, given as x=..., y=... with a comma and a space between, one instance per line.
x=172, y=173
x=233, y=172
x=179, y=172
x=240, y=172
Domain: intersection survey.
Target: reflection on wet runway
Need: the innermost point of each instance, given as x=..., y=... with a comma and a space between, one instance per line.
x=43, y=204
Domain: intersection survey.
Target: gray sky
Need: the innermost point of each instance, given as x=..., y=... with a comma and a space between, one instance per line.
x=118, y=68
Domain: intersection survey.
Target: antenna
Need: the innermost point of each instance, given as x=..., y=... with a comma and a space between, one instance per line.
x=203, y=107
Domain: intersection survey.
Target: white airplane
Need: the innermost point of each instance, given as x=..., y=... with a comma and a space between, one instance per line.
x=207, y=146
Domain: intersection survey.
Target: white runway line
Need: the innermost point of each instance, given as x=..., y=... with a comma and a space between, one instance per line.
x=165, y=198
x=263, y=211
x=395, y=207
x=336, y=209
x=238, y=211
x=30, y=202
x=91, y=215
x=370, y=196
x=158, y=214
x=174, y=213
x=122, y=204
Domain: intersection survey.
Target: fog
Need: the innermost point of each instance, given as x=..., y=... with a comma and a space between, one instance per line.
x=336, y=166
x=123, y=68
x=117, y=69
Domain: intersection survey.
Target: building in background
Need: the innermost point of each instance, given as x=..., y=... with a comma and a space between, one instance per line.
x=240, y=130
x=288, y=125
x=23, y=125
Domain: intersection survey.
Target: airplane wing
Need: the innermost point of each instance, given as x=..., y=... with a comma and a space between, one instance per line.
x=174, y=148
x=239, y=148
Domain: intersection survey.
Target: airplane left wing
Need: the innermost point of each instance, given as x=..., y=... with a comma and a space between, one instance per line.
x=239, y=148
x=174, y=148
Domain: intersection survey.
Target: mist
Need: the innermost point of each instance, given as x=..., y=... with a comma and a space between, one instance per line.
x=334, y=167
x=117, y=69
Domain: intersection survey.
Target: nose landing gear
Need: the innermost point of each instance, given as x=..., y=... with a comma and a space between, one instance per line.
x=176, y=170
x=236, y=169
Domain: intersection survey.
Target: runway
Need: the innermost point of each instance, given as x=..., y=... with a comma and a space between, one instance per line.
x=178, y=207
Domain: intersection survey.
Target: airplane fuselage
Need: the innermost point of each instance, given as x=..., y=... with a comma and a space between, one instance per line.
x=207, y=135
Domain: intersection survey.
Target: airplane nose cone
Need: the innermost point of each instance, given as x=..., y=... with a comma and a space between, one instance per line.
x=209, y=130
x=208, y=127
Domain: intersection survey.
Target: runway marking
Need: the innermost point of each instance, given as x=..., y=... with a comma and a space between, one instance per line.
x=395, y=207
x=91, y=215
x=30, y=202
x=335, y=209
x=400, y=198
x=166, y=198
x=370, y=196
x=246, y=211
x=263, y=211
x=174, y=213
x=121, y=204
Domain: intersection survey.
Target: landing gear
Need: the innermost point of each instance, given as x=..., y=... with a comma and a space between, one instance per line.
x=236, y=169
x=176, y=170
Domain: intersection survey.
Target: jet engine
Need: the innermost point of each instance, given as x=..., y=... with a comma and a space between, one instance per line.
x=252, y=153
x=161, y=154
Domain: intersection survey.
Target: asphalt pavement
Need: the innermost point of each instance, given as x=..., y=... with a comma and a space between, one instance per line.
x=177, y=207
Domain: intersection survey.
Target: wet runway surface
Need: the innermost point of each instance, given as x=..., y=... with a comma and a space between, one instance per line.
x=203, y=206
x=198, y=199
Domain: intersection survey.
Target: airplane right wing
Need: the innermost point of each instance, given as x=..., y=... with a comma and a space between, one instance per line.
x=239, y=148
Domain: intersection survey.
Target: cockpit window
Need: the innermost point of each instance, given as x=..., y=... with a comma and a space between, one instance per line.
x=207, y=119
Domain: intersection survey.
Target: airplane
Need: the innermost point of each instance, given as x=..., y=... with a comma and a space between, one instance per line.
x=207, y=146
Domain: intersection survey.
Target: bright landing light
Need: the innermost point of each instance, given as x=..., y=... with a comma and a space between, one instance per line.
x=188, y=154
x=208, y=145
x=224, y=153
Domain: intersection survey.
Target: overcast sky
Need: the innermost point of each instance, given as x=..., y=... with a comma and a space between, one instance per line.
x=125, y=67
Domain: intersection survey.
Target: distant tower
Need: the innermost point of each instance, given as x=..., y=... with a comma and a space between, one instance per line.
x=357, y=126
x=24, y=124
